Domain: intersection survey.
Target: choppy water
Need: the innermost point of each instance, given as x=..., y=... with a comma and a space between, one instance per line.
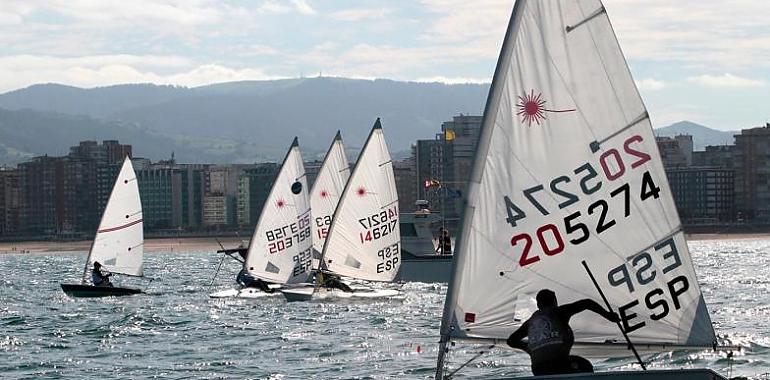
x=175, y=331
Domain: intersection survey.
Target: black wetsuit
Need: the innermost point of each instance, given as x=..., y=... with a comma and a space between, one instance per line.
x=550, y=339
x=247, y=281
x=335, y=283
x=100, y=279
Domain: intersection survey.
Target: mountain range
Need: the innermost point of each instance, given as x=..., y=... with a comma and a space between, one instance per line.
x=241, y=122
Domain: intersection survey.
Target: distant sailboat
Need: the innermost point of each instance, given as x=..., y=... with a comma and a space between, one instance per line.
x=364, y=237
x=568, y=181
x=280, y=251
x=119, y=242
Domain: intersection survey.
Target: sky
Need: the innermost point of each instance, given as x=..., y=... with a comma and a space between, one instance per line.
x=706, y=61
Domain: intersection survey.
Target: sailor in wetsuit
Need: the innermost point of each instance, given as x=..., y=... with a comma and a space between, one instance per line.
x=549, y=337
x=99, y=278
x=332, y=281
x=247, y=281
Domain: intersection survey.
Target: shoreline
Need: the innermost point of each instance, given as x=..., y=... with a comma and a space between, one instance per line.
x=154, y=245
x=157, y=245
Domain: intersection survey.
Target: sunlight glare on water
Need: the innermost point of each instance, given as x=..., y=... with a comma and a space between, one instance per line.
x=176, y=331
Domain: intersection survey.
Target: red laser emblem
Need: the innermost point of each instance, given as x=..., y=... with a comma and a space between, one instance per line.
x=281, y=203
x=532, y=108
x=361, y=191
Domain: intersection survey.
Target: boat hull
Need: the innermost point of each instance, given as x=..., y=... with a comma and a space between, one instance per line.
x=309, y=293
x=428, y=268
x=81, y=290
x=249, y=293
x=673, y=374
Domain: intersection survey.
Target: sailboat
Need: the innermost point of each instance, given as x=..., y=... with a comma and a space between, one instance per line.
x=568, y=186
x=280, y=251
x=326, y=192
x=119, y=241
x=364, y=239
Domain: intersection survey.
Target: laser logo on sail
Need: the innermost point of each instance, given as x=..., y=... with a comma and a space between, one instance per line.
x=531, y=108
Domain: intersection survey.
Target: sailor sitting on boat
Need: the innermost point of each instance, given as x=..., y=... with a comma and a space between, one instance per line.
x=247, y=281
x=549, y=337
x=100, y=278
x=332, y=281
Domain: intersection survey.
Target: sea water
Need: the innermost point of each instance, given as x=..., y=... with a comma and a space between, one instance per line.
x=176, y=331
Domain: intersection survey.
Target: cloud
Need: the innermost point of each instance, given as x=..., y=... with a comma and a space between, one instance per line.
x=725, y=80
x=299, y=6
x=650, y=84
x=360, y=14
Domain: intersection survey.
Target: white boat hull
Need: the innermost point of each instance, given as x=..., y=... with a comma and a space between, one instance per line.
x=309, y=293
x=245, y=293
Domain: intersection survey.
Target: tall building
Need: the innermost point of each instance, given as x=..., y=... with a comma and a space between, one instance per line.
x=41, y=190
x=9, y=202
x=428, y=156
x=155, y=190
x=703, y=194
x=675, y=152
x=406, y=184
x=460, y=137
x=752, y=174
x=253, y=189
x=220, y=195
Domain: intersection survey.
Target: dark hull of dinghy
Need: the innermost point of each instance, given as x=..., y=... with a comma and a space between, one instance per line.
x=80, y=290
x=668, y=374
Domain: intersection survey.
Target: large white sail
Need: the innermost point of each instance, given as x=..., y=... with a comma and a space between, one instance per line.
x=567, y=170
x=119, y=241
x=364, y=240
x=281, y=249
x=326, y=193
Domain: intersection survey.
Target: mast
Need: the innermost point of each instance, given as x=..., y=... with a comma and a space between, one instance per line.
x=482, y=147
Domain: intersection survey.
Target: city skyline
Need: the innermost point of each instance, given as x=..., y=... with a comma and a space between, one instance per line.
x=699, y=61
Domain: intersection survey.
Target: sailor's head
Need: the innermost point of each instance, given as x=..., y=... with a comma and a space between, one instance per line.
x=546, y=299
x=97, y=265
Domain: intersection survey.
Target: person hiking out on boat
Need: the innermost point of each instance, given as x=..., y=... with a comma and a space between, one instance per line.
x=332, y=281
x=247, y=281
x=550, y=338
x=99, y=277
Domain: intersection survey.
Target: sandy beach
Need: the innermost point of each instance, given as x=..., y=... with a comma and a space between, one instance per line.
x=210, y=243
x=150, y=245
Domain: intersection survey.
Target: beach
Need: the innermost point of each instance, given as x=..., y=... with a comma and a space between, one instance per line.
x=150, y=245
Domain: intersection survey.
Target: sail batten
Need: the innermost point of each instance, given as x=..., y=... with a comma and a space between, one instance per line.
x=567, y=170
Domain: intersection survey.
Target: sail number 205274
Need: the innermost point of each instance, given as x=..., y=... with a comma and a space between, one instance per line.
x=548, y=236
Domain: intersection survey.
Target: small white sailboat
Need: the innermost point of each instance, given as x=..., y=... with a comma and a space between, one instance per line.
x=280, y=251
x=568, y=183
x=326, y=193
x=119, y=242
x=364, y=240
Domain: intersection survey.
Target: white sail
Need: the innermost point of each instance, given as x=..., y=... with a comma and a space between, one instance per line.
x=281, y=249
x=326, y=193
x=364, y=240
x=567, y=170
x=119, y=241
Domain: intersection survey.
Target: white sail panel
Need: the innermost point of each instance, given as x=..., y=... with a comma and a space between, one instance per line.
x=326, y=193
x=365, y=240
x=567, y=170
x=281, y=249
x=119, y=241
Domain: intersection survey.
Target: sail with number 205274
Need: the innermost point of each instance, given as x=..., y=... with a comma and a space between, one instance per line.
x=567, y=176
